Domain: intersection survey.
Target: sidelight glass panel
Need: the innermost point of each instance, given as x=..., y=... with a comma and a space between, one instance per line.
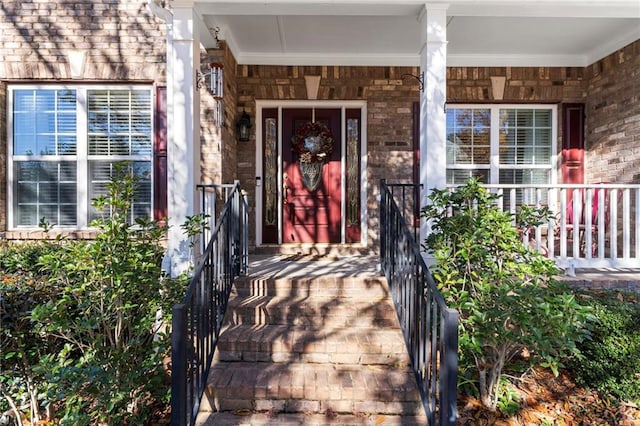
x=353, y=167
x=271, y=172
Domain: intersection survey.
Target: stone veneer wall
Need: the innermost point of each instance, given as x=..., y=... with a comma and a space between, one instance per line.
x=613, y=117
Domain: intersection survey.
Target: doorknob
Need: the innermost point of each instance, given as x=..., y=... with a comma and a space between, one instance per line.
x=285, y=188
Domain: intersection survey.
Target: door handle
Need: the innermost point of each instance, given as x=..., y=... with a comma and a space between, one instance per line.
x=285, y=189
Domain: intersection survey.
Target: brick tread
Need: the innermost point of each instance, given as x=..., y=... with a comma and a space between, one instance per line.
x=281, y=343
x=300, y=387
x=247, y=418
x=311, y=311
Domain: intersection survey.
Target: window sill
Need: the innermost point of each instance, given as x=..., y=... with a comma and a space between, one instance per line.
x=37, y=234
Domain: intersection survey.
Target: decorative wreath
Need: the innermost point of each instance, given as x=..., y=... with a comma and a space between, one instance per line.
x=313, y=143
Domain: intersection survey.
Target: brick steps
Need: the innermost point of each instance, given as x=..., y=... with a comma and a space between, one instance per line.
x=281, y=343
x=247, y=418
x=322, y=350
x=310, y=311
x=317, y=388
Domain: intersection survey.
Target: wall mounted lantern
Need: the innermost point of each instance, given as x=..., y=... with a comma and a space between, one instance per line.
x=243, y=126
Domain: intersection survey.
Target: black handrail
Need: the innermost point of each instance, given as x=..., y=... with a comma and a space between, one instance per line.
x=198, y=319
x=430, y=328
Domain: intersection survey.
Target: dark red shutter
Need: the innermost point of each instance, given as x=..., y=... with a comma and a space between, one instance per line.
x=160, y=155
x=573, y=143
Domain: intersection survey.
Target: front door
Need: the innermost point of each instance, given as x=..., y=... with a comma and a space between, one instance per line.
x=311, y=176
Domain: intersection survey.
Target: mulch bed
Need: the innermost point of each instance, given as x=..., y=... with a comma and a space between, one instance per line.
x=553, y=401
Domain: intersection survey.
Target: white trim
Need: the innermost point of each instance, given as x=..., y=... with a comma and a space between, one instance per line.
x=81, y=159
x=494, y=163
x=312, y=104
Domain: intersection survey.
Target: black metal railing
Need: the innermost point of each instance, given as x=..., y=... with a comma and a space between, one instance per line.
x=430, y=328
x=198, y=319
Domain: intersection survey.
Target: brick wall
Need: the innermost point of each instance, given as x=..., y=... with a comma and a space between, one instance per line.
x=219, y=144
x=539, y=84
x=613, y=117
x=123, y=40
x=389, y=105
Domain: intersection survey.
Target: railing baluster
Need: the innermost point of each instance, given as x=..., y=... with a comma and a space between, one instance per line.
x=198, y=319
x=613, y=221
x=637, y=224
x=626, y=224
x=430, y=330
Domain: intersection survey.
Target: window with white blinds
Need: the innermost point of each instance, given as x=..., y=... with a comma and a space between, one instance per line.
x=510, y=144
x=63, y=145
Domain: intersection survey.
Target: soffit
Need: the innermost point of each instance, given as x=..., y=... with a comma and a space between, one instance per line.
x=370, y=32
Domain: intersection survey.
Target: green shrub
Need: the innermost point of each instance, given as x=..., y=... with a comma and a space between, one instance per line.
x=23, y=387
x=610, y=361
x=80, y=331
x=508, y=300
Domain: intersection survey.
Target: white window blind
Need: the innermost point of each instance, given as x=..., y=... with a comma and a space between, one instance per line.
x=64, y=142
x=500, y=144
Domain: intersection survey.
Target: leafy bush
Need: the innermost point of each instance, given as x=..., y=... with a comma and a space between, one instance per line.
x=610, y=361
x=22, y=377
x=87, y=333
x=508, y=300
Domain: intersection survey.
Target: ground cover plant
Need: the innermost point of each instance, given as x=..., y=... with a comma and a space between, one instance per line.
x=82, y=339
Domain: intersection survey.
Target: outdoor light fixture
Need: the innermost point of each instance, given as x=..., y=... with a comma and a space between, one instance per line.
x=242, y=126
x=216, y=82
x=420, y=79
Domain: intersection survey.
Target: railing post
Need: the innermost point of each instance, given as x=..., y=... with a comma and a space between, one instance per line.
x=179, y=366
x=383, y=224
x=449, y=367
x=244, y=265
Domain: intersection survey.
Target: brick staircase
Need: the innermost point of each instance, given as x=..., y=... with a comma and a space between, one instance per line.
x=311, y=350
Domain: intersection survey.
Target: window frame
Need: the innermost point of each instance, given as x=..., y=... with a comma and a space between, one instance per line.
x=494, y=167
x=81, y=158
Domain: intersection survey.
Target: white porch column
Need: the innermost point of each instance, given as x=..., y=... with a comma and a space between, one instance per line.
x=183, y=122
x=433, y=63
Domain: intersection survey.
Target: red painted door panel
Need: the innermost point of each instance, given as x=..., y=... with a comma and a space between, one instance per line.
x=311, y=216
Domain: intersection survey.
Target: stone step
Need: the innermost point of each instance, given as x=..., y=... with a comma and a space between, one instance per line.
x=312, y=388
x=310, y=311
x=328, y=287
x=281, y=343
x=249, y=418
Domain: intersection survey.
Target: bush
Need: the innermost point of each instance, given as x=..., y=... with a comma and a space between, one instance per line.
x=508, y=300
x=610, y=361
x=81, y=334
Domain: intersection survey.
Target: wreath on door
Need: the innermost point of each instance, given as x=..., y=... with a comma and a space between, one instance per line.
x=313, y=144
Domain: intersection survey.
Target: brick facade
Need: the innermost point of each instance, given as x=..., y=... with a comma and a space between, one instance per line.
x=125, y=42
x=389, y=107
x=613, y=117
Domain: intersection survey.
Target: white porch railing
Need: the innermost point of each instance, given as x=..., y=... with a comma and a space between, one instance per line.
x=594, y=225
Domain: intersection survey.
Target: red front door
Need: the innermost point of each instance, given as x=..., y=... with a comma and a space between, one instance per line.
x=311, y=215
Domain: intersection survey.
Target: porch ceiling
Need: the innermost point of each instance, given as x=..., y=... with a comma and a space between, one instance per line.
x=387, y=32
